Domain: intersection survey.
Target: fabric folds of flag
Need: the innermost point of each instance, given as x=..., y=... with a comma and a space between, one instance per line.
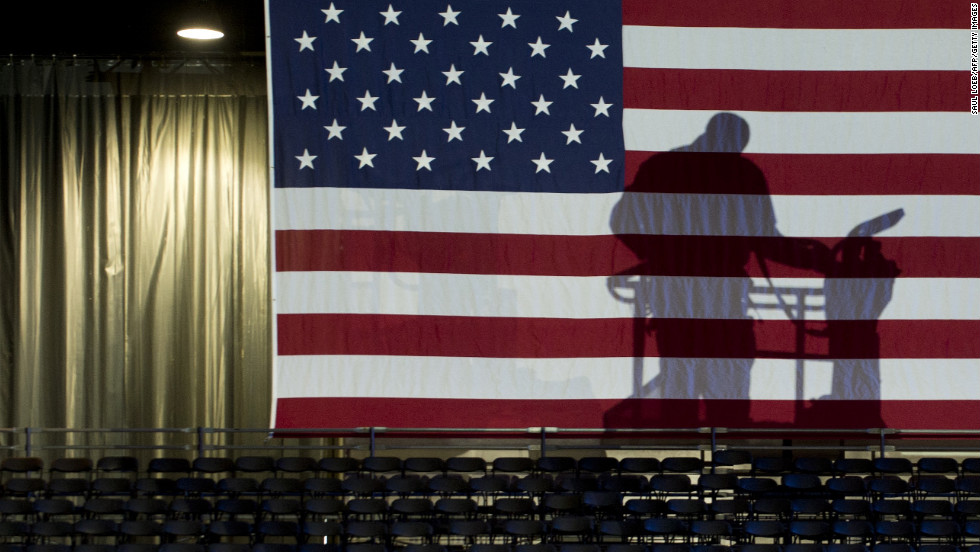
x=592, y=214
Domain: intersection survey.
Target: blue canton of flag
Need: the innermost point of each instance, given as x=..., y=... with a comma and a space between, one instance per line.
x=501, y=96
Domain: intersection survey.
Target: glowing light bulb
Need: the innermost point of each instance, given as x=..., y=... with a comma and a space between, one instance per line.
x=200, y=33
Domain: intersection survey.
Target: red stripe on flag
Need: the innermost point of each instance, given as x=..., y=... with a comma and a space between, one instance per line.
x=518, y=254
x=733, y=90
x=351, y=412
x=853, y=174
x=797, y=14
x=498, y=337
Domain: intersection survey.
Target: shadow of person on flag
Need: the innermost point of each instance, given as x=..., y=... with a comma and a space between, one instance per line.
x=695, y=217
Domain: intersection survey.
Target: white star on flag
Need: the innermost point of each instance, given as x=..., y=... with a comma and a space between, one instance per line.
x=335, y=130
x=570, y=79
x=305, y=42
x=566, y=21
x=449, y=16
x=391, y=16
x=394, y=73
x=454, y=132
x=306, y=160
x=336, y=72
x=308, y=100
x=601, y=164
x=367, y=102
x=541, y=105
x=482, y=162
x=480, y=46
x=602, y=107
x=538, y=48
x=363, y=43
x=482, y=103
x=510, y=79
x=366, y=159
x=452, y=75
x=424, y=161
x=597, y=49
x=573, y=134
x=543, y=164
x=513, y=133
x=421, y=44
x=332, y=14
x=394, y=131
x=509, y=18
x=424, y=101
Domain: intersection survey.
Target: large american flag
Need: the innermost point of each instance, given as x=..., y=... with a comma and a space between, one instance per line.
x=504, y=213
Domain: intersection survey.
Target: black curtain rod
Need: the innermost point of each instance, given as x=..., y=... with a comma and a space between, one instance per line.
x=153, y=56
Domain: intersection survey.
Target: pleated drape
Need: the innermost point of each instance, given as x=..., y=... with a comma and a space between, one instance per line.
x=134, y=243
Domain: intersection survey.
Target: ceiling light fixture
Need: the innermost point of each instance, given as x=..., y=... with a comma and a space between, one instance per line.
x=201, y=22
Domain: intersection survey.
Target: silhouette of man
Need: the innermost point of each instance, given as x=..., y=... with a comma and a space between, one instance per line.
x=699, y=213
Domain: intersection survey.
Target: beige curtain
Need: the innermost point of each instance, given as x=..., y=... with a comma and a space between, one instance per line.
x=134, y=243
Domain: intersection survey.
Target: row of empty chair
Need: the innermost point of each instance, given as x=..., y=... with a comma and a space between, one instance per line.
x=740, y=460
x=389, y=502
x=538, y=547
x=266, y=476
x=508, y=529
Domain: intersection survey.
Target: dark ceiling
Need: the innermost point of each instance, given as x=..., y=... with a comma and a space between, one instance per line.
x=124, y=28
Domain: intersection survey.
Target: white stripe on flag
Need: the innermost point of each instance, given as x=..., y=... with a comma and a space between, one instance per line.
x=795, y=49
x=589, y=297
x=589, y=214
x=813, y=132
x=595, y=378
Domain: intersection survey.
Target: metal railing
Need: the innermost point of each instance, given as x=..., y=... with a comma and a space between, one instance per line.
x=369, y=441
